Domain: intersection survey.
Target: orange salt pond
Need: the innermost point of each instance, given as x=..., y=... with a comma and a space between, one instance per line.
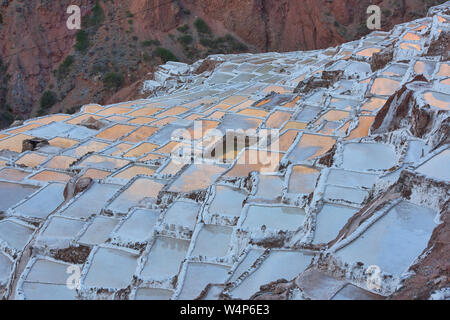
x=368, y=52
x=384, y=86
x=311, y=146
x=133, y=171
x=140, y=150
x=13, y=174
x=140, y=134
x=438, y=100
x=197, y=177
x=362, y=130
x=50, y=175
x=31, y=160
x=373, y=104
x=255, y=160
x=115, y=132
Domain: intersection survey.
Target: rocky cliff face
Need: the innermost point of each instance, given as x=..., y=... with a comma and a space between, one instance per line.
x=35, y=43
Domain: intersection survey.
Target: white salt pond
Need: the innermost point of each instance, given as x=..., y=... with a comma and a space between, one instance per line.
x=330, y=221
x=92, y=201
x=46, y=291
x=98, y=231
x=5, y=268
x=212, y=241
x=165, y=258
x=369, y=156
x=275, y=218
x=43, y=203
x=152, y=294
x=394, y=241
x=227, y=201
x=437, y=167
x=12, y=193
x=111, y=268
x=138, y=227
x=278, y=265
x=182, y=213
x=14, y=234
x=198, y=276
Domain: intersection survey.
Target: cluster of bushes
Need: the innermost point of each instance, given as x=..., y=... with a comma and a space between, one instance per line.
x=48, y=100
x=82, y=38
x=201, y=26
x=113, y=80
x=65, y=66
x=165, y=54
x=227, y=44
x=148, y=43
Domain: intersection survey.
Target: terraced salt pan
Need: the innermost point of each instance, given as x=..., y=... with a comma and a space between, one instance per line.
x=196, y=177
x=111, y=268
x=43, y=203
x=394, y=241
x=62, y=228
x=140, y=192
x=353, y=179
x=138, y=227
x=227, y=201
x=98, y=231
x=198, y=276
x=91, y=201
x=47, y=271
x=165, y=258
x=244, y=265
x=438, y=100
x=293, y=263
x=303, y=180
x=337, y=193
x=269, y=187
x=438, y=166
x=153, y=294
x=182, y=213
x=274, y=218
x=311, y=146
x=12, y=193
x=369, y=156
x=5, y=268
x=212, y=241
x=45, y=291
x=14, y=234
x=351, y=292
x=330, y=221
x=13, y=174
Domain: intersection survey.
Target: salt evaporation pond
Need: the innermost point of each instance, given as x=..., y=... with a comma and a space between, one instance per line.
x=394, y=241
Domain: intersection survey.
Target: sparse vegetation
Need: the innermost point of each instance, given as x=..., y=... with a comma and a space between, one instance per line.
x=183, y=29
x=202, y=26
x=48, y=100
x=65, y=67
x=165, y=54
x=113, y=80
x=82, y=43
x=148, y=43
x=186, y=39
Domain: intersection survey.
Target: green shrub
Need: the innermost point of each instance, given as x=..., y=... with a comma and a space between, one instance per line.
x=97, y=16
x=82, y=43
x=165, y=54
x=65, y=66
x=185, y=39
x=113, y=80
x=201, y=26
x=148, y=43
x=183, y=29
x=48, y=99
